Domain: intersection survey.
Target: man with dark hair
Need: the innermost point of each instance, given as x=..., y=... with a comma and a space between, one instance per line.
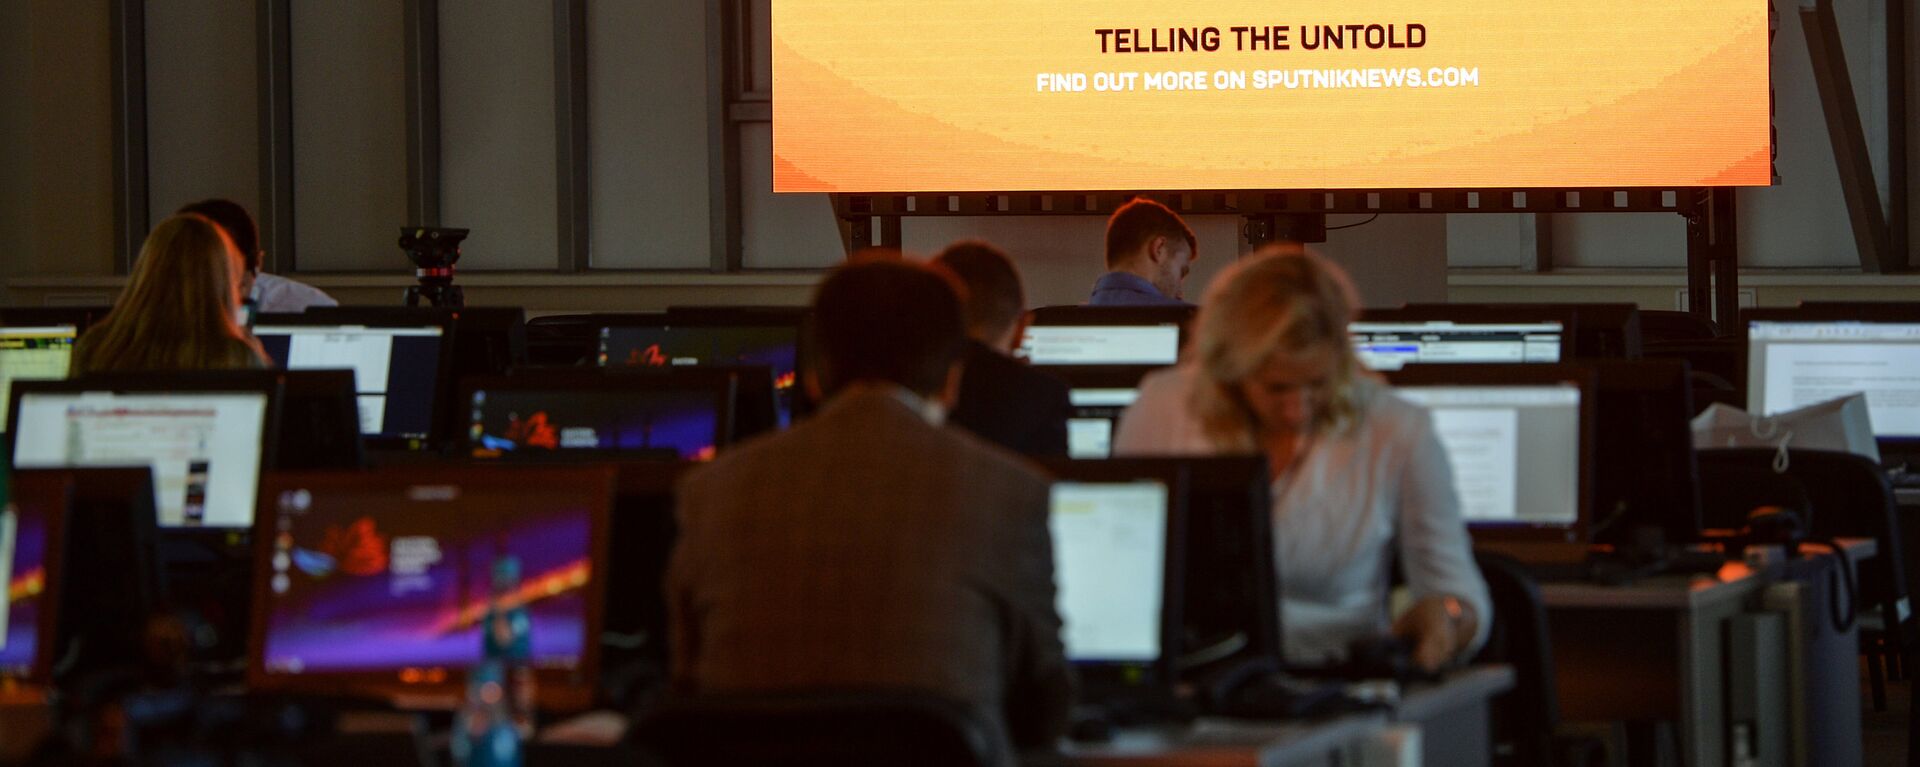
x=267, y=293
x=1149, y=252
x=1001, y=399
x=868, y=547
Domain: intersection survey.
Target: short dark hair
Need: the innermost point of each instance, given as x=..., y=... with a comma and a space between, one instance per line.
x=995, y=299
x=237, y=223
x=886, y=321
x=1138, y=222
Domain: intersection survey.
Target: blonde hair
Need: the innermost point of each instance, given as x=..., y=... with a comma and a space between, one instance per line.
x=1274, y=301
x=177, y=310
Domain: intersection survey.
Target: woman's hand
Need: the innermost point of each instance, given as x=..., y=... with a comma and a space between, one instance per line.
x=1439, y=627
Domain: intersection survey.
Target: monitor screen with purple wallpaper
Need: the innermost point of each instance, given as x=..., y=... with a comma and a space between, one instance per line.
x=560, y=415
x=29, y=539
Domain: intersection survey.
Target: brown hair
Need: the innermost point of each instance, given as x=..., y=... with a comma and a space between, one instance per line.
x=1137, y=223
x=994, y=298
x=885, y=321
x=1273, y=301
x=177, y=310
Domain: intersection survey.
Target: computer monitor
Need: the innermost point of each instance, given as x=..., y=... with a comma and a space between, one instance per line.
x=1646, y=476
x=582, y=414
x=205, y=436
x=319, y=421
x=103, y=572
x=1394, y=344
x=643, y=530
x=1118, y=546
x=397, y=366
x=376, y=583
x=1519, y=439
x=696, y=337
x=34, y=353
x=1099, y=394
x=1798, y=357
x=1597, y=331
x=1100, y=335
x=30, y=544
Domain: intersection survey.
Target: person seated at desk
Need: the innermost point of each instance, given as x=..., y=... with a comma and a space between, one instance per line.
x=1002, y=399
x=267, y=293
x=1357, y=470
x=178, y=309
x=869, y=546
x=1150, y=250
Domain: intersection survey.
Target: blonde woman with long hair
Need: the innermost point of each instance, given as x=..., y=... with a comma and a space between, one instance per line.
x=177, y=312
x=1356, y=470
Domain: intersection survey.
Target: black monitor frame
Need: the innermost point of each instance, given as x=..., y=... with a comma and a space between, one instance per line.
x=80, y=318
x=1578, y=375
x=1622, y=446
x=1127, y=680
x=719, y=385
x=266, y=382
x=560, y=689
x=111, y=524
x=444, y=369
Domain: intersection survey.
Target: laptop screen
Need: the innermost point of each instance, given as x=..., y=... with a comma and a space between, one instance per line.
x=1393, y=345
x=773, y=346
x=34, y=354
x=525, y=422
x=385, y=576
x=204, y=448
x=396, y=370
x=1101, y=344
x=1795, y=364
x=1514, y=450
x=1109, y=553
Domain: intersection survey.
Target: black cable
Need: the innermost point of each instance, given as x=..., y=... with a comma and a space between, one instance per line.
x=1350, y=226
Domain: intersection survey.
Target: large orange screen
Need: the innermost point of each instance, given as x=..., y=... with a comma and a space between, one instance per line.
x=1068, y=95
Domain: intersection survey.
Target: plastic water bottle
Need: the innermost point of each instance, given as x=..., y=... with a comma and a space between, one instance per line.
x=508, y=640
x=483, y=733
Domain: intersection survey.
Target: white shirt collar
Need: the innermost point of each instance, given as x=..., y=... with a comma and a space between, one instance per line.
x=931, y=410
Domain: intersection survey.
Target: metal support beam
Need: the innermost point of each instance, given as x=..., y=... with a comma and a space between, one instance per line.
x=574, y=193
x=1543, y=242
x=1869, y=219
x=276, y=136
x=423, y=111
x=129, y=46
x=1713, y=258
x=725, y=79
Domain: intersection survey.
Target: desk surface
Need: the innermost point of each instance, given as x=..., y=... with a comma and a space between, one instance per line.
x=1907, y=496
x=1463, y=688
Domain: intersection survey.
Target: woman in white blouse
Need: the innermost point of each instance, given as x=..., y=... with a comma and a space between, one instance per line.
x=1357, y=471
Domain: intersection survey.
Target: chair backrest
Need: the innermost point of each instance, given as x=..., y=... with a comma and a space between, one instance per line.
x=851, y=728
x=1669, y=325
x=1524, y=718
x=1840, y=495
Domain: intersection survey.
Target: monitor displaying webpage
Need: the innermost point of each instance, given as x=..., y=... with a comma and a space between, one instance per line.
x=1096, y=415
x=203, y=448
x=1514, y=450
x=1394, y=345
x=1109, y=559
x=34, y=354
x=1101, y=344
x=1795, y=364
x=396, y=371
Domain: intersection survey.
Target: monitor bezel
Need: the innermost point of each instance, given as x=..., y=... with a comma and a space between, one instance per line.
x=1537, y=375
x=264, y=382
x=558, y=689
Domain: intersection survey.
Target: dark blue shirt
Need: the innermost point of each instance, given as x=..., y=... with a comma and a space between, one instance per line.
x=1128, y=289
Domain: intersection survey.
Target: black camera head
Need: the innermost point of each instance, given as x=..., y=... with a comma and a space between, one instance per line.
x=432, y=249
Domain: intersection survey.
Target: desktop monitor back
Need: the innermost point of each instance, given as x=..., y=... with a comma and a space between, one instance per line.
x=204, y=435
x=643, y=530
x=574, y=414
x=1106, y=335
x=81, y=317
x=319, y=421
x=719, y=336
x=1798, y=357
x=401, y=363
x=376, y=583
x=1646, y=476
x=104, y=577
x=1520, y=442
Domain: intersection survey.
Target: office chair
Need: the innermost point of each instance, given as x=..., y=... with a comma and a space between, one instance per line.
x=1526, y=717
x=1665, y=325
x=851, y=728
x=1843, y=496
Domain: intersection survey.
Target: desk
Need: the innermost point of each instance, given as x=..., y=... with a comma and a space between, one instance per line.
x=1452, y=716
x=1653, y=650
x=1907, y=496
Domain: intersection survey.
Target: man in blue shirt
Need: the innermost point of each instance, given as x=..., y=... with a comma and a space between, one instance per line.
x=1150, y=250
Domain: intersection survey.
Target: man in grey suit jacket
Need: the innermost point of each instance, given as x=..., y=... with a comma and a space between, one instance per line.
x=869, y=546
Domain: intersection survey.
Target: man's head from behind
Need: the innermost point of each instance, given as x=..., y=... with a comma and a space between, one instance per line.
x=888, y=323
x=232, y=218
x=995, y=301
x=1150, y=240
